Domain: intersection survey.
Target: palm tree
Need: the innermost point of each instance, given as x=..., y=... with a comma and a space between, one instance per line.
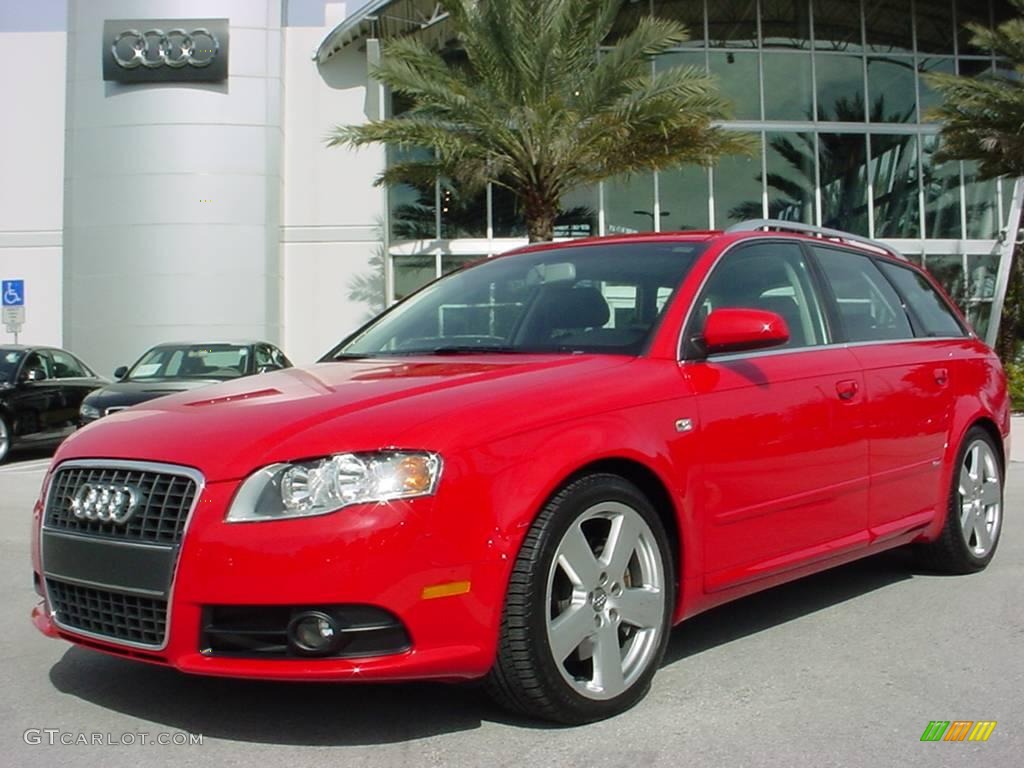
x=532, y=102
x=983, y=121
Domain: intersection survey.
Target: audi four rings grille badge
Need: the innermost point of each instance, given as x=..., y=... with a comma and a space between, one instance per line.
x=105, y=502
x=165, y=50
x=175, y=48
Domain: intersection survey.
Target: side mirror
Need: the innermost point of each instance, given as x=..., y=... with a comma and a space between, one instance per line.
x=741, y=330
x=35, y=374
x=120, y=372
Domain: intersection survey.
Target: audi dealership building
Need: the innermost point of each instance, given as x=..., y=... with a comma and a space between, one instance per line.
x=167, y=176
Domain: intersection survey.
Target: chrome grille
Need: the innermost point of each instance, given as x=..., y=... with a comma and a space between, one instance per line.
x=160, y=518
x=116, y=615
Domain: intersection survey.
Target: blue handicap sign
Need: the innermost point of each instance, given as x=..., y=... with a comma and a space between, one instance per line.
x=13, y=293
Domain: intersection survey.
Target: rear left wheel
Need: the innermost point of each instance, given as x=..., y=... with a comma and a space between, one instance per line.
x=589, y=605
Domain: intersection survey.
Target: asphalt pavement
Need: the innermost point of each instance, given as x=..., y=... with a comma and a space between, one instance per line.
x=845, y=668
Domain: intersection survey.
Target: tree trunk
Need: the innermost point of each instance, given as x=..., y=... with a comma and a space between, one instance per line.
x=541, y=213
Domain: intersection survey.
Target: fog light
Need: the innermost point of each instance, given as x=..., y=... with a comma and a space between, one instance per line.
x=314, y=633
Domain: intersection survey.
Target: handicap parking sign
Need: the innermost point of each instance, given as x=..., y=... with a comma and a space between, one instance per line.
x=13, y=293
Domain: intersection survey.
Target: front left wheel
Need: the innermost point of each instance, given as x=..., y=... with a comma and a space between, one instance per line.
x=5, y=439
x=589, y=605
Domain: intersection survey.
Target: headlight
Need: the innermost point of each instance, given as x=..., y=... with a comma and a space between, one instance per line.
x=89, y=411
x=306, y=488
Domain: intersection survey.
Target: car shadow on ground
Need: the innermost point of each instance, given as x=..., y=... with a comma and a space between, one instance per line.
x=322, y=714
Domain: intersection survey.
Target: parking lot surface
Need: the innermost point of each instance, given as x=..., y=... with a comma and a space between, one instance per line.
x=844, y=668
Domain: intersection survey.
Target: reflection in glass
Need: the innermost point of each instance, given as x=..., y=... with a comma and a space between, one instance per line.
x=935, y=26
x=790, y=158
x=941, y=192
x=412, y=208
x=840, y=87
x=929, y=97
x=891, y=85
x=844, y=190
x=948, y=269
x=837, y=25
x=888, y=25
x=971, y=11
x=413, y=272
x=895, y=186
x=979, y=315
x=980, y=200
x=579, y=213
x=738, y=79
x=684, y=194
x=732, y=24
x=689, y=12
x=507, y=213
x=788, y=88
x=462, y=215
x=679, y=59
x=785, y=24
x=737, y=185
x=981, y=275
x=629, y=204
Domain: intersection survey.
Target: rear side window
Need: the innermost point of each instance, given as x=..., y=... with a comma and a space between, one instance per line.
x=869, y=307
x=927, y=305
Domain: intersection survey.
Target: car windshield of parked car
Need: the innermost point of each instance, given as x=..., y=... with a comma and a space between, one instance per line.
x=191, y=361
x=603, y=298
x=10, y=359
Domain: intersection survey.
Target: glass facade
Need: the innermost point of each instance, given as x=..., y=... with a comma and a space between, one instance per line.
x=833, y=88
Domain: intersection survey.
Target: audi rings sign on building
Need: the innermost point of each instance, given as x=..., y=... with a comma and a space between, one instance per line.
x=165, y=50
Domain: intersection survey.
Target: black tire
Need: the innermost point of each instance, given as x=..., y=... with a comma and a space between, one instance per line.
x=951, y=552
x=6, y=439
x=526, y=678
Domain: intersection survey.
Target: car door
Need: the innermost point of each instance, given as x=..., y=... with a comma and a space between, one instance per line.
x=782, y=432
x=34, y=402
x=909, y=348
x=73, y=382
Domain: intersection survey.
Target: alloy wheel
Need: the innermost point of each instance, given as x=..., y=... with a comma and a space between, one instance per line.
x=981, y=498
x=605, y=601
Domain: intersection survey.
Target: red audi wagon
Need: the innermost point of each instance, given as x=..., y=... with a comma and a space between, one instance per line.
x=531, y=469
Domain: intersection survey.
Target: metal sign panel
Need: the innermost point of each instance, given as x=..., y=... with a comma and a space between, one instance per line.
x=14, y=318
x=165, y=50
x=12, y=293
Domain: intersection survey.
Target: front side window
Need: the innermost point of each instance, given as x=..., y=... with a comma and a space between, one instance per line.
x=770, y=276
x=10, y=361
x=65, y=366
x=594, y=298
x=869, y=307
x=931, y=311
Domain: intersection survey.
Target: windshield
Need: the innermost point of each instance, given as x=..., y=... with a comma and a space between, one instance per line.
x=10, y=359
x=191, y=361
x=596, y=298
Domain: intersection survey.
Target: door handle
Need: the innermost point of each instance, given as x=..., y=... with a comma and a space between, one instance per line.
x=941, y=376
x=847, y=389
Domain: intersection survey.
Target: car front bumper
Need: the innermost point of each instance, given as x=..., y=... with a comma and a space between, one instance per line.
x=380, y=555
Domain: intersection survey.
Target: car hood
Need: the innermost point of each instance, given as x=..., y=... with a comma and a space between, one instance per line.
x=125, y=393
x=227, y=430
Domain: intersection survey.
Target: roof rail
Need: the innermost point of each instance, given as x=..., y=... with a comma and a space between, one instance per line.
x=752, y=225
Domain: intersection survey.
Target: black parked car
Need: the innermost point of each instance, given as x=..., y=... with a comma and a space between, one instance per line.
x=169, y=368
x=41, y=389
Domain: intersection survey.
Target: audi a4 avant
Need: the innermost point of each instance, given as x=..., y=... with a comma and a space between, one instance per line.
x=531, y=469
